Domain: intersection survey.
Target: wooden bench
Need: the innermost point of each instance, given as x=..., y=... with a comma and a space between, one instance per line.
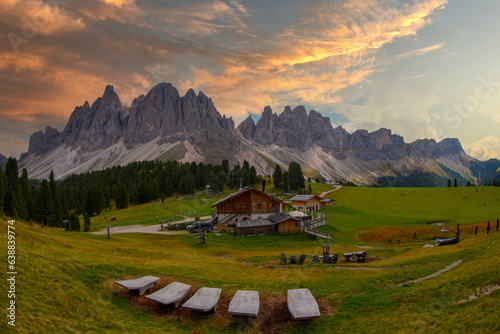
x=140, y=284
x=358, y=257
x=245, y=303
x=171, y=295
x=302, y=305
x=204, y=300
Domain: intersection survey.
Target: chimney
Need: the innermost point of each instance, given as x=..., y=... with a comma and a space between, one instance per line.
x=281, y=203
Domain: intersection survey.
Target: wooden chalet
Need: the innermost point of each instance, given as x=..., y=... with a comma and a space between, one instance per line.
x=247, y=204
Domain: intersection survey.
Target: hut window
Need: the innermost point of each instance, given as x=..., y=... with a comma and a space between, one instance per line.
x=297, y=224
x=227, y=205
x=259, y=206
x=273, y=205
x=238, y=205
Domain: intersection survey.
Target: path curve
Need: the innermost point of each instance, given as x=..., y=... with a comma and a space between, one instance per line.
x=451, y=266
x=337, y=187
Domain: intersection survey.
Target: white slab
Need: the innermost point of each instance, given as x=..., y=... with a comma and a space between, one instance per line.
x=245, y=303
x=140, y=284
x=302, y=304
x=172, y=294
x=204, y=300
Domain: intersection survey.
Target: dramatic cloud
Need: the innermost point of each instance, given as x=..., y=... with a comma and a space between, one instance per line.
x=359, y=60
x=486, y=148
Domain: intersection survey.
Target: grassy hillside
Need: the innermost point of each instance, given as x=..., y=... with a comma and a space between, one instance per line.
x=65, y=280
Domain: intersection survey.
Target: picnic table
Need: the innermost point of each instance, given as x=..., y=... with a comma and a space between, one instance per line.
x=302, y=305
x=355, y=257
x=204, y=300
x=140, y=284
x=172, y=294
x=245, y=303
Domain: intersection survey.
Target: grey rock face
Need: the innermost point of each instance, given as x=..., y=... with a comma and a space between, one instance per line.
x=161, y=114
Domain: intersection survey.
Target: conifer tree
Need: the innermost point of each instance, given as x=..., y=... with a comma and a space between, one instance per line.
x=120, y=194
x=86, y=222
x=3, y=188
x=277, y=177
x=12, y=173
x=27, y=193
x=56, y=218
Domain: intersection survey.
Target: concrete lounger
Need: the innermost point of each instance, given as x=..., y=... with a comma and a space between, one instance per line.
x=140, y=284
x=302, y=304
x=204, y=300
x=245, y=303
x=172, y=294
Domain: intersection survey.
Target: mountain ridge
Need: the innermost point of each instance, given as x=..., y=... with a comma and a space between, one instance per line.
x=164, y=125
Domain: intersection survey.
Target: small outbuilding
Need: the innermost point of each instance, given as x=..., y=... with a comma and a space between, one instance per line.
x=280, y=223
x=307, y=203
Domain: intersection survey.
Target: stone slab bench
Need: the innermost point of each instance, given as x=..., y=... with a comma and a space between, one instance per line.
x=450, y=241
x=302, y=304
x=245, y=303
x=140, y=284
x=171, y=295
x=204, y=300
x=355, y=257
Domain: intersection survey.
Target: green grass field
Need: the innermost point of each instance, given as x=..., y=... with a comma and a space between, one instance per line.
x=65, y=280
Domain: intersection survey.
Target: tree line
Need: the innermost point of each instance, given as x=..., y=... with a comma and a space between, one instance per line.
x=51, y=202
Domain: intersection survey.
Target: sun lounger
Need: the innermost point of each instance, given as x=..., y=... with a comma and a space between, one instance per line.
x=302, y=304
x=245, y=303
x=172, y=294
x=140, y=284
x=204, y=300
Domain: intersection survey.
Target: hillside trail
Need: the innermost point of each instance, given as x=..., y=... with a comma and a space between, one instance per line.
x=323, y=194
x=155, y=229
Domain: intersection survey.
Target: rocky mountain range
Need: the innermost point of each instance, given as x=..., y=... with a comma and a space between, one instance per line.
x=163, y=125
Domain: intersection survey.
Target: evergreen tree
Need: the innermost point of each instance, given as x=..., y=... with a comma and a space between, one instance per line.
x=455, y=184
x=10, y=203
x=310, y=188
x=246, y=177
x=143, y=192
x=169, y=188
x=277, y=177
x=285, y=185
x=449, y=183
x=27, y=193
x=64, y=205
x=74, y=222
x=186, y=185
x=225, y=166
x=246, y=166
x=253, y=175
x=12, y=174
x=44, y=207
x=468, y=184
x=56, y=218
x=155, y=190
x=295, y=176
x=120, y=195
x=3, y=188
x=86, y=222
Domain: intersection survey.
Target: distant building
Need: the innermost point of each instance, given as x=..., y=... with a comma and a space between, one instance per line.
x=310, y=203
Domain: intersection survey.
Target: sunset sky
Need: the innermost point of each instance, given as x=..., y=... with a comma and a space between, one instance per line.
x=423, y=68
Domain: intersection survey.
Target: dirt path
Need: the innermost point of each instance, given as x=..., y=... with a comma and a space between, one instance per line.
x=153, y=229
x=451, y=266
x=337, y=187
